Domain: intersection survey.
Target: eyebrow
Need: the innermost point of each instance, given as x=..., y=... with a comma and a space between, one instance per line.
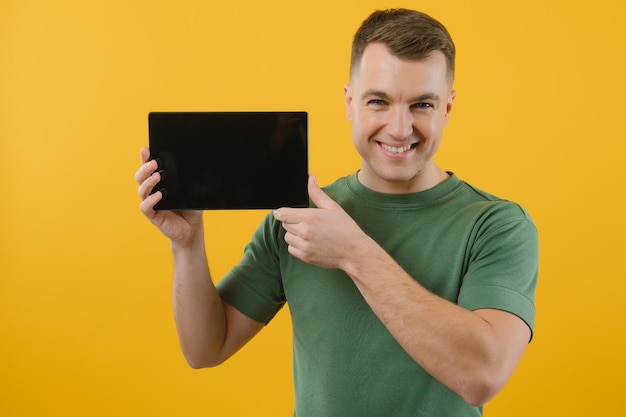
x=385, y=96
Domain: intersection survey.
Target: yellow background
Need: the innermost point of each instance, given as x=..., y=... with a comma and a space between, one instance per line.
x=85, y=307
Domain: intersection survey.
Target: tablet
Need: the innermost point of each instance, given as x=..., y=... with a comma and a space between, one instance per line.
x=230, y=160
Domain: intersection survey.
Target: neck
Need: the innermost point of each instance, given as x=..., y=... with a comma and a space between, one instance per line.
x=421, y=182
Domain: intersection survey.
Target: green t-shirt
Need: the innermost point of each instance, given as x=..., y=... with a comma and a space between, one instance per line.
x=465, y=245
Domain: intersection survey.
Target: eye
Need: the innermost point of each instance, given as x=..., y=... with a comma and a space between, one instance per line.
x=376, y=102
x=423, y=105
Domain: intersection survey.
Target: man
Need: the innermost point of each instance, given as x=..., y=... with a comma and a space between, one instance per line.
x=411, y=292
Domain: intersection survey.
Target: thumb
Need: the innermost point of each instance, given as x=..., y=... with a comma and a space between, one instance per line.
x=318, y=196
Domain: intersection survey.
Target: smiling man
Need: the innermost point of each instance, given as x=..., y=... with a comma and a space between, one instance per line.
x=398, y=110
x=411, y=292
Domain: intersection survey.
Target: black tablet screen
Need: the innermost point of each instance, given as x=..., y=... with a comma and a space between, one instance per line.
x=230, y=160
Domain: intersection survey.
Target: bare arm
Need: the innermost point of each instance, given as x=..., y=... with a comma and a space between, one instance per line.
x=209, y=330
x=472, y=353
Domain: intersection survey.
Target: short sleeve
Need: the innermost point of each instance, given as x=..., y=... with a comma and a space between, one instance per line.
x=503, y=267
x=254, y=286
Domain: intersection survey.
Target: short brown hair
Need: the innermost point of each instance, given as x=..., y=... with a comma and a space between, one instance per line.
x=408, y=34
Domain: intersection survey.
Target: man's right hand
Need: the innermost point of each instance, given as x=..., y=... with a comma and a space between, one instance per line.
x=210, y=330
x=182, y=227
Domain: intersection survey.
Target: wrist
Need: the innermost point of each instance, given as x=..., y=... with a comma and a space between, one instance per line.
x=364, y=258
x=192, y=243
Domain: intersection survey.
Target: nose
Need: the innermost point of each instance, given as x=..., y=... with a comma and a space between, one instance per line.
x=399, y=123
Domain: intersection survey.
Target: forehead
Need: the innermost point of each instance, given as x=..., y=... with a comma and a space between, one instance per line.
x=381, y=68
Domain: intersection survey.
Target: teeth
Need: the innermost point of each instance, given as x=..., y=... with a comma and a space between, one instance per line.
x=394, y=149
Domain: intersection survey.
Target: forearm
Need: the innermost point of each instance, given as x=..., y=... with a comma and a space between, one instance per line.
x=198, y=309
x=209, y=329
x=456, y=346
x=471, y=352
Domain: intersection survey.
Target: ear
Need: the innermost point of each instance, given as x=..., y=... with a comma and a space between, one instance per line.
x=347, y=94
x=449, y=107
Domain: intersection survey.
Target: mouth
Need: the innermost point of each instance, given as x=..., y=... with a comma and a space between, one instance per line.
x=397, y=149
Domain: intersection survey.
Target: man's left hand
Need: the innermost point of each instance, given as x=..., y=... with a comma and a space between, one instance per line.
x=325, y=236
